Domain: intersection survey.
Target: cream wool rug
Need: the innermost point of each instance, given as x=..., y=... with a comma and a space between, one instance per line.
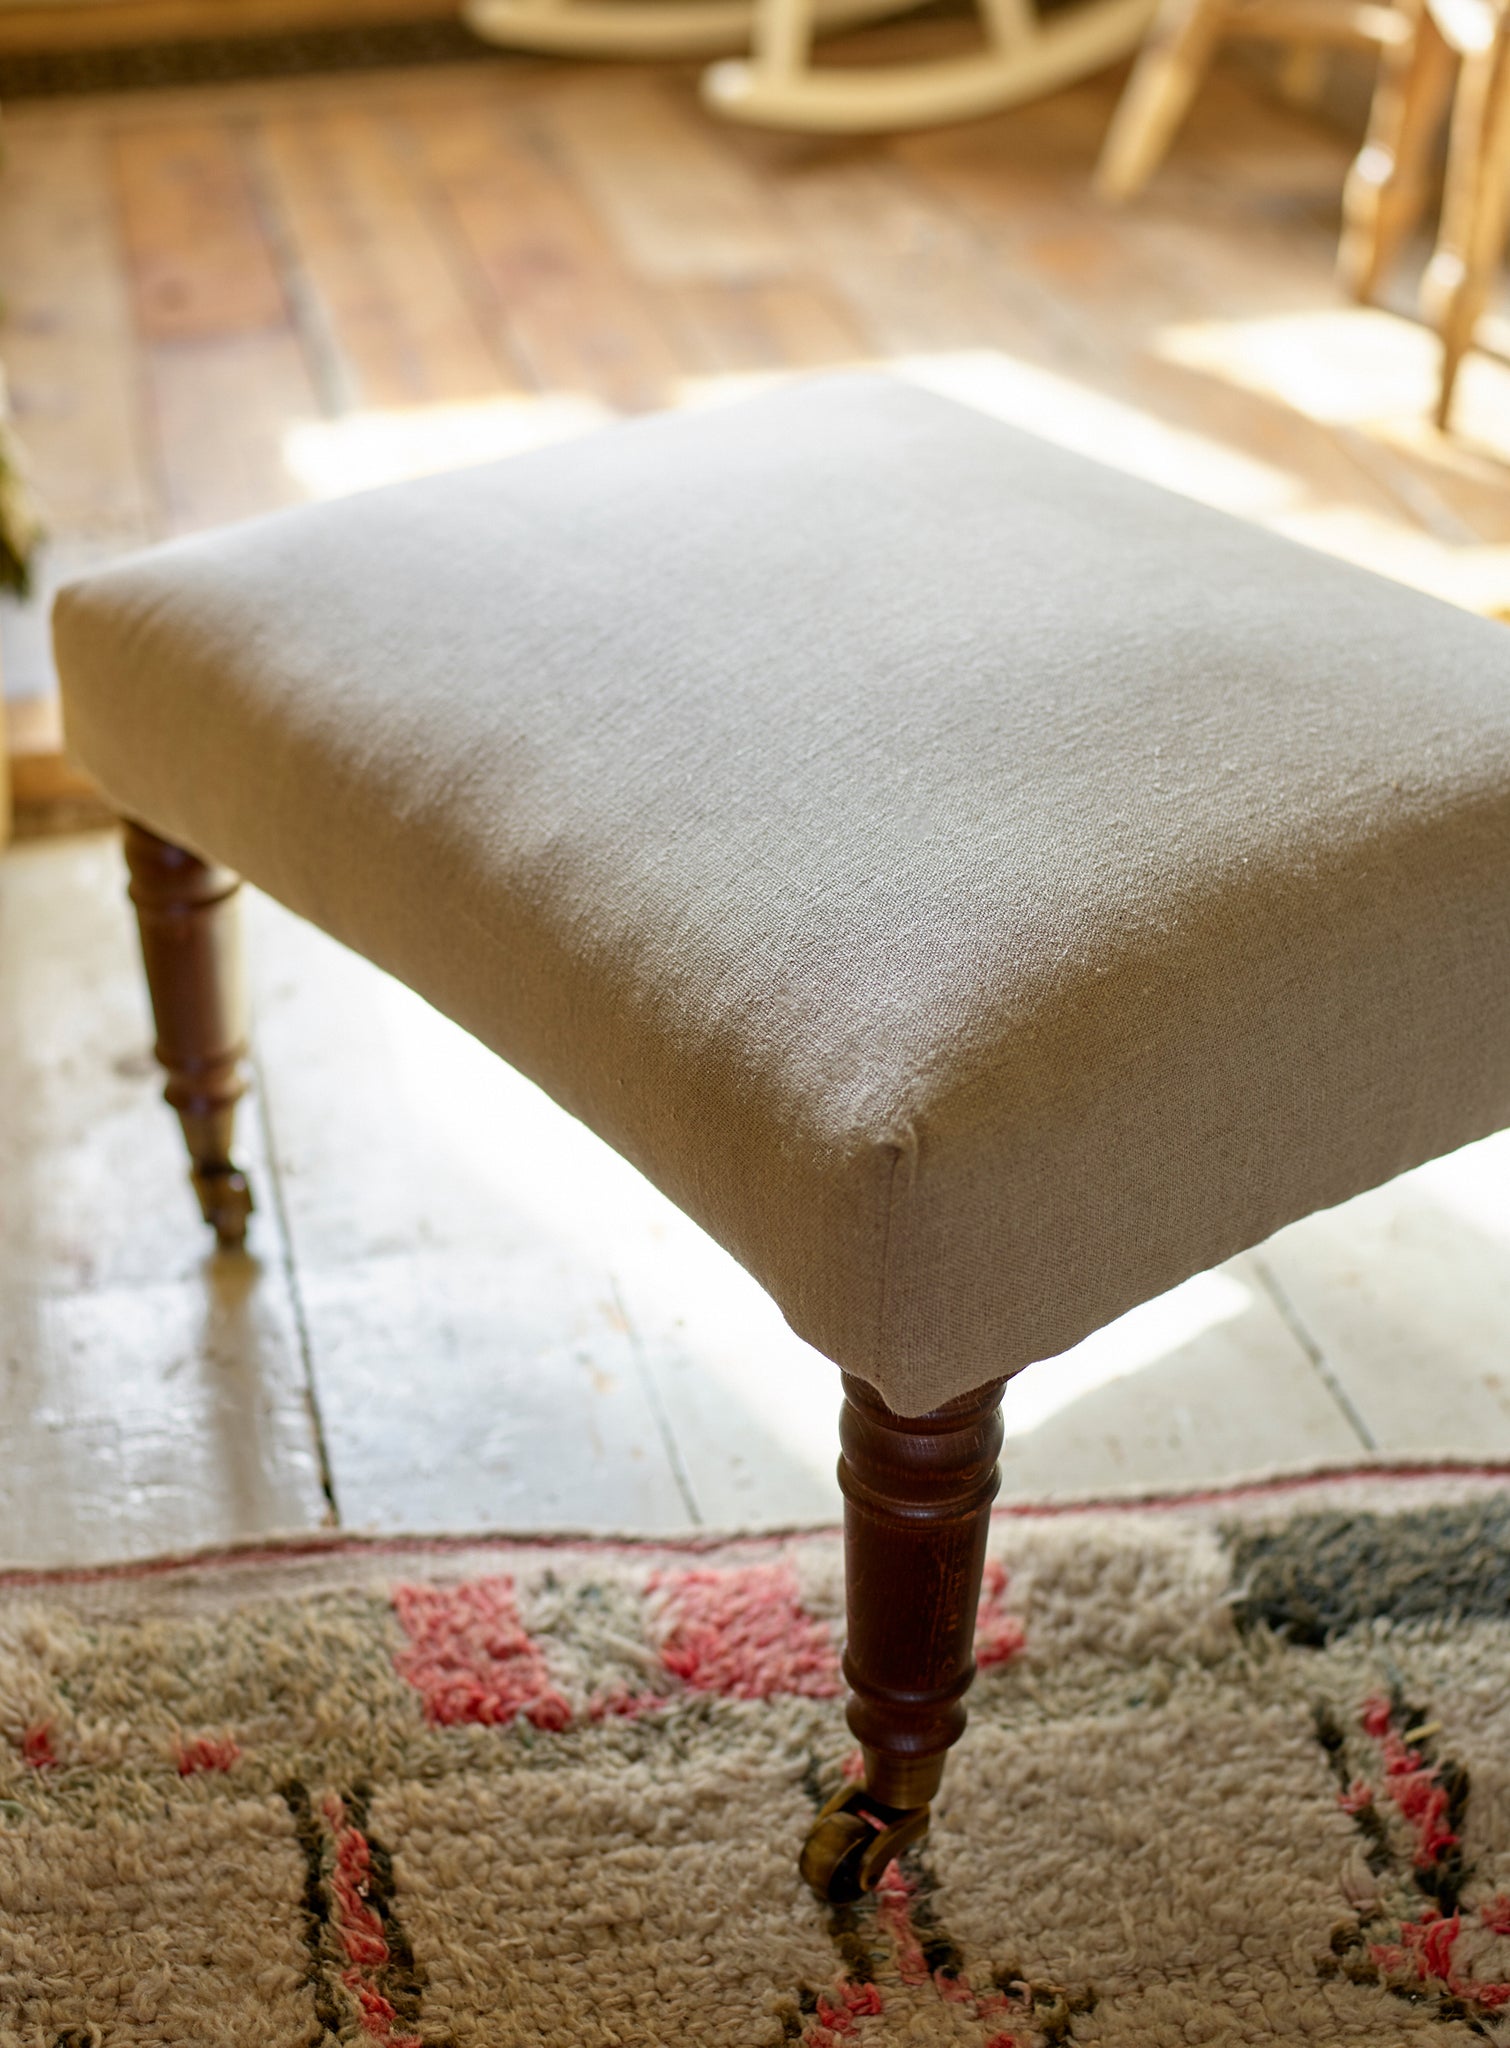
x=1238, y=1771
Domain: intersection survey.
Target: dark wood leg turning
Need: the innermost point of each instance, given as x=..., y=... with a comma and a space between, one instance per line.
x=918, y=1495
x=186, y=912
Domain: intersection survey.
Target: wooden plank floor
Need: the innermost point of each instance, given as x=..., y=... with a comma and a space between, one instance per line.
x=458, y=1307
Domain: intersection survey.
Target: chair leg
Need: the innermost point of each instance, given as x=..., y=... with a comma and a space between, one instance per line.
x=1457, y=280
x=1157, y=97
x=918, y=1496
x=186, y=912
x=1386, y=187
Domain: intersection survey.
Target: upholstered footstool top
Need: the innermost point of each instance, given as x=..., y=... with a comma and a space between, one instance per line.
x=981, y=889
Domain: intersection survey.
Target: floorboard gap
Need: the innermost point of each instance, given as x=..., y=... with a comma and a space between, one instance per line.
x=1314, y=1352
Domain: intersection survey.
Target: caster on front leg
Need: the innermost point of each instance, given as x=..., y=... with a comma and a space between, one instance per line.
x=852, y=1841
x=917, y=1503
x=225, y=1202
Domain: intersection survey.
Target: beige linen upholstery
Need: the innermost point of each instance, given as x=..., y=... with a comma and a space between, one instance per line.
x=981, y=889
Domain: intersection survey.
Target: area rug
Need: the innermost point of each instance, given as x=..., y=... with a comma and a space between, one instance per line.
x=1238, y=1770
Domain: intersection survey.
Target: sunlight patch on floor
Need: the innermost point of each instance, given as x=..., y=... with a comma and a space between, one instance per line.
x=1475, y=578
x=1350, y=366
x=331, y=458
x=1371, y=377
x=1474, y=1185
x=1143, y=1337
x=1072, y=416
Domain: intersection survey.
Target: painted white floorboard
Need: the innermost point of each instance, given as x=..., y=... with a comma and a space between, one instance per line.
x=152, y=1396
x=153, y=1418
x=93, y=1178
x=456, y=1238
x=472, y=1390
x=1406, y=1290
x=1205, y=1384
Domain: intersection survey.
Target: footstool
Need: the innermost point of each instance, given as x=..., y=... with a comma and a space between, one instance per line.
x=979, y=888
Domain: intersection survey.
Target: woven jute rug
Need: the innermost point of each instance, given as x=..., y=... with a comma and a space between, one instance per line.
x=1238, y=1770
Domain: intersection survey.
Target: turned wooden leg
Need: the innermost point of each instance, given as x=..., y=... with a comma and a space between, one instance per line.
x=186, y=912
x=1173, y=61
x=1386, y=189
x=1457, y=280
x=917, y=1494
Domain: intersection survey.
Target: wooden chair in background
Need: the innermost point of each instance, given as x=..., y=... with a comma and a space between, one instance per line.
x=1391, y=180
x=1423, y=46
x=1178, y=52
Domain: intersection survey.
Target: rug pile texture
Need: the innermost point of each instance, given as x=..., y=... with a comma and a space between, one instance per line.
x=1238, y=1771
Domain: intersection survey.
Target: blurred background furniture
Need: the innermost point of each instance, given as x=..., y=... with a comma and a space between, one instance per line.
x=1391, y=181
x=1423, y=46
x=1023, y=55
x=647, y=28
x=1178, y=52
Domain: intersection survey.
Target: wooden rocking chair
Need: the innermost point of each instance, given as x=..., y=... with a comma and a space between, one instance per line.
x=647, y=28
x=778, y=85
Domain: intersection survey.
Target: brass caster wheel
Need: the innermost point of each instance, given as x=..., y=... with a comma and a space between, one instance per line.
x=225, y=1202
x=852, y=1841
